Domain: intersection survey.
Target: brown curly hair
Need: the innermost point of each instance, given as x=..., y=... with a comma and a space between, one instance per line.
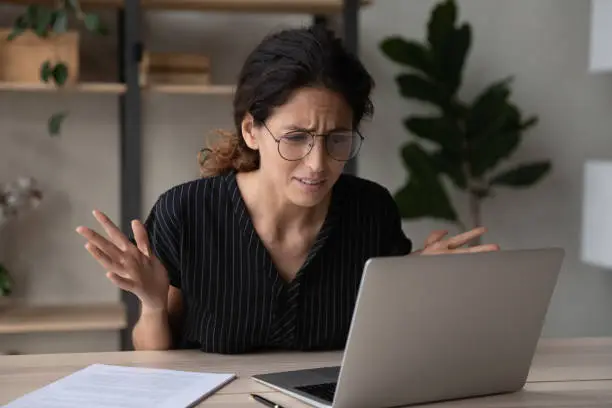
x=282, y=63
x=228, y=152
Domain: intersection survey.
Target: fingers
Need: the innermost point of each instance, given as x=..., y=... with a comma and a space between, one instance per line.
x=478, y=248
x=112, y=230
x=462, y=239
x=435, y=236
x=474, y=249
x=485, y=248
x=103, y=259
x=102, y=244
x=141, y=237
x=121, y=282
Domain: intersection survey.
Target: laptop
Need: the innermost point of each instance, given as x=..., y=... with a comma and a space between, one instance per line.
x=435, y=328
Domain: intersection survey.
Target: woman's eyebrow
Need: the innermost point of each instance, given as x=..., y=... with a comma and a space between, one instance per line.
x=295, y=128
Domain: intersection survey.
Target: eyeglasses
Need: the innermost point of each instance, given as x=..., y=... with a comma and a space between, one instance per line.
x=340, y=145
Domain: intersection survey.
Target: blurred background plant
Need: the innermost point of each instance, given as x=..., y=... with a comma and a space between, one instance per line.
x=51, y=20
x=15, y=198
x=463, y=142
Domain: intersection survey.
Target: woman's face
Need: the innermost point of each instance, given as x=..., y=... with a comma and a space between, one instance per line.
x=298, y=164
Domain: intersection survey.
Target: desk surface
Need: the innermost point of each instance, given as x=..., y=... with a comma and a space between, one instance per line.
x=565, y=372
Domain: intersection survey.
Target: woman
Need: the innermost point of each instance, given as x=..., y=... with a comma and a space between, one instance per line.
x=266, y=250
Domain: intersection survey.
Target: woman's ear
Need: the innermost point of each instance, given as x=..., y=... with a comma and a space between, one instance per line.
x=248, y=132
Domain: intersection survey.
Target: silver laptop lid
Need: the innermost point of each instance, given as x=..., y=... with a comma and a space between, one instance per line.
x=431, y=328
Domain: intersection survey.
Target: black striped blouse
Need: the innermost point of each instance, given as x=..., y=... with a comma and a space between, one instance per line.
x=235, y=300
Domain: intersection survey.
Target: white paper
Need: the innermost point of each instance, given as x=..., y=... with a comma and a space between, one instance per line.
x=108, y=386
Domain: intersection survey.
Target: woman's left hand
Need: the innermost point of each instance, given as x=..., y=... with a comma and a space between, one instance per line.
x=435, y=244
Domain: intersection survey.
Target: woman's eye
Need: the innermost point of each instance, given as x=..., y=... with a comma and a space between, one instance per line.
x=296, y=138
x=340, y=138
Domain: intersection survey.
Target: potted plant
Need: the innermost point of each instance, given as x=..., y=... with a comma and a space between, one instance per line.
x=463, y=142
x=15, y=198
x=53, y=19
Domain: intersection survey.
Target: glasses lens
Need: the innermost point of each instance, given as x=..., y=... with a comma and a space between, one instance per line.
x=295, y=146
x=343, y=146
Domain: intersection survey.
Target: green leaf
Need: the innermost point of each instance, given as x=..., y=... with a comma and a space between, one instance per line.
x=423, y=195
x=416, y=87
x=16, y=32
x=489, y=110
x=438, y=129
x=60, y=74
x=409, y=53
x=92, y=22
x=498, y=141
x=60, y=21
x=55, y=123
x=522, y=176
x=44, y=18
x=46, y=70
x=449, y=45
x=440, y=26
x=31, y=15
x=454, y=55
x=6, y=283
x=19, y=27
x=451, y=165
x=488, y=153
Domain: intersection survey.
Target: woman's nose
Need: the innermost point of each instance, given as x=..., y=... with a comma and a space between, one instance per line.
x=317, y=156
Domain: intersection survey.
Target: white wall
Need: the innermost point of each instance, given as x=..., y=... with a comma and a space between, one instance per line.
x=543, y=43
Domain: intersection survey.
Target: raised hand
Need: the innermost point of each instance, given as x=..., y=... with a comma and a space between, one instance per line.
x=435, y=244
x=133, y=268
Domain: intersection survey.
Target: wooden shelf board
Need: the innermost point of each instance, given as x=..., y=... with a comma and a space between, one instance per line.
x=112, y=88
x=87, y=87
x=56, y=318
x=267, y=6
x=264, y=6
x=191, y=89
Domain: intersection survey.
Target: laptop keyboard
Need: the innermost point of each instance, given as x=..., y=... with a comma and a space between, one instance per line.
x=324, y=391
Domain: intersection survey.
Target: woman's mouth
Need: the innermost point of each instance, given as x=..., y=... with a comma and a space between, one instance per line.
x=311, y=182
x=310, y=185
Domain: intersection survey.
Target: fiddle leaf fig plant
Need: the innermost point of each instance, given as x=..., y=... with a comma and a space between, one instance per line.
x=45, y=21
x=464, y=142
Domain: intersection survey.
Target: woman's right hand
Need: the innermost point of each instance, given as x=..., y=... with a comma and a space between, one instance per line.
x=131, y=267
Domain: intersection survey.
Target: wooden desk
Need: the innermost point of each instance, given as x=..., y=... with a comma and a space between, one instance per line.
x=565, y=373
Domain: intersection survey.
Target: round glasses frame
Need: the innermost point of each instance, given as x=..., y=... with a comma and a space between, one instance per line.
x=278, y=141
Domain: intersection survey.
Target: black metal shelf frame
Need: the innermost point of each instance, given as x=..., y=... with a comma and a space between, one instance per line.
x=130, y=110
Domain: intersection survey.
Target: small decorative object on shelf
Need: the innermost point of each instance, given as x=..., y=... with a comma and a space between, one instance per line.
x=171, y=68
x=51, y=24
x=464, y=142
x=15, y=197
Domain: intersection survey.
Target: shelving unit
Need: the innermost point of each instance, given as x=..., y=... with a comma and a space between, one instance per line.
x=118, y=88
x=192, y=89
x=251, y=6
x=86, y=87
x=129, y=15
